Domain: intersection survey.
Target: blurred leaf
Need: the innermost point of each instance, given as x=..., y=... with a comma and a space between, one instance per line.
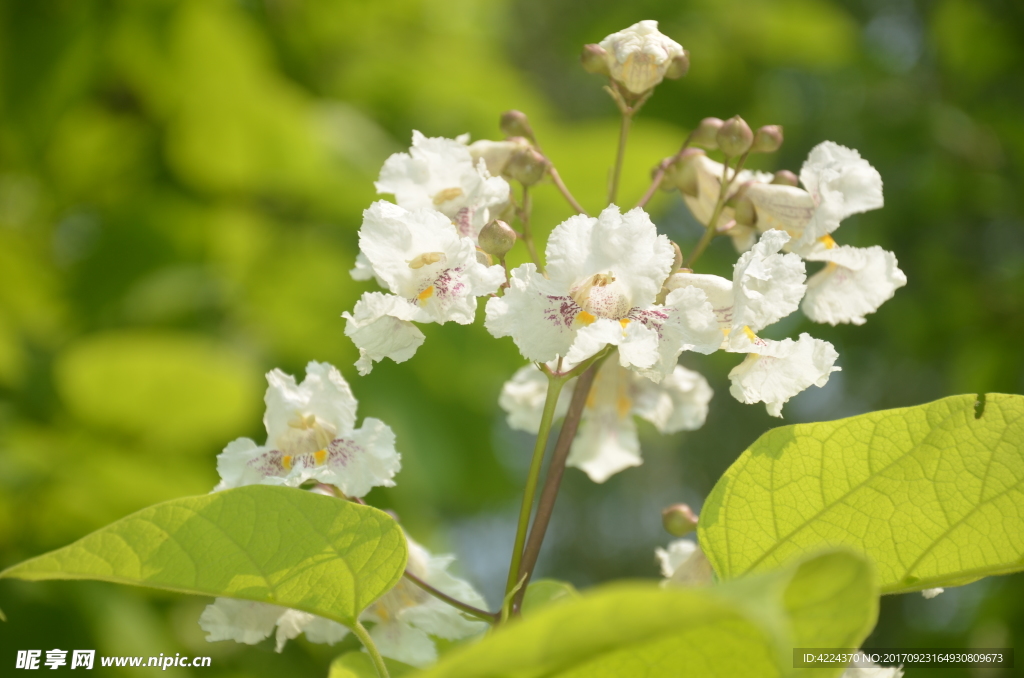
x=646, y=631
x=544, y=592
x=175, y=389
x=274, y=545
x=931, y=494
x=359, y=665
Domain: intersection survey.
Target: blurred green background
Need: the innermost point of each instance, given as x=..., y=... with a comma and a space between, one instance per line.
x=180, y=188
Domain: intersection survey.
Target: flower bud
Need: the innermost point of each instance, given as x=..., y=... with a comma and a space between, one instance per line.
x=683, y=172
x=679, y=520
x=706, y=134
x=786, y=178
x=516, y=124
x=679, y=66
x=767, y=140
x=744, y=212
x=677, y=261
x=527, y=166
x=595, y=59
x=734, y=137
x=497, y=238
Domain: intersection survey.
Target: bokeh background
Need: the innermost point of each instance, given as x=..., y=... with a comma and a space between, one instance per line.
x=180, y=188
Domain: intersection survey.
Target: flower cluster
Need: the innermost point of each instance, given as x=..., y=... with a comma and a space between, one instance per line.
x=311, y=438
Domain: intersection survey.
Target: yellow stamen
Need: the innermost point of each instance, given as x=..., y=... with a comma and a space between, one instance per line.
x=750, y=333
x=585, y=318
x=426, y=294
x=447, y=194
x=286, y=461
x=827, y=241
x=320, y=456
x=425, y=259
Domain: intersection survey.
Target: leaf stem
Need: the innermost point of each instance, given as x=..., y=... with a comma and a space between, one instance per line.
x=613, y=187
x=364, y=637
x=553, y=480
x=555, y=384
x=482, y=615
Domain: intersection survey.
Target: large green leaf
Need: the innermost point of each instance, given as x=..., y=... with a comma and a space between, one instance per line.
x=641, y=630
x=933, y=494
x=270, y=544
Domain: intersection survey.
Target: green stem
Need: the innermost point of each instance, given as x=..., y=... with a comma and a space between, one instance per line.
x=364, y=637
x=613, y=188
x=564, y=190
x=712, y=229
x=555, y=384
x=476, y=612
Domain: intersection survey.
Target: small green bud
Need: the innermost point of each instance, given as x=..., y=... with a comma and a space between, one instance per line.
x=527, y=166
x=497, y=238
x=683, y=172
x=767, y=140
x=595, y=60
x=516, y=124
x=679, y=67
x=786, y=178
x=735, y=137
x=679, y=520
x=705, y=136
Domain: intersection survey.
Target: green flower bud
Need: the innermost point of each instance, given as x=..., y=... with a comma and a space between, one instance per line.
x=767, y=140
x=595, y=60
x=735, y=137
x=527, y=166
x=679, y=520
x=497, y=238
x=683, y=173
x=786, y=178
x=516, y=124
x=706, y=134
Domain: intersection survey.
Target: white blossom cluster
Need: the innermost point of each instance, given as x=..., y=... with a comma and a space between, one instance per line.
x=311, y=437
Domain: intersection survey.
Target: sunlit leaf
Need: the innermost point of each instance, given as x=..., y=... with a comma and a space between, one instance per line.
x=275, y=545
x=932, y=494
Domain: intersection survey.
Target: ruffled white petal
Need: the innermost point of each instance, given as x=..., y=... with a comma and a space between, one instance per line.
x=683, y=562
x=841, y=183
x=607, y=441
x=324, y=394
x=626, y=246
x=781, y=207
x=233, y=464
x=380, y=327
x=440, y=174
x=854, y=283
x=678, y=403
x=243, y=621
x=931, y=593
x=364, y=270
x=639, y=56
x=355, y=464
x=535, y=313
x=404, y=643
x=767, y=285
x=775, y=371
x=522, y=397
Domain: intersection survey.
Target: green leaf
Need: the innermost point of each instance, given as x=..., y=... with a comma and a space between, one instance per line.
x=275, y=545
x=359, y=665
x=642, y=630
x=932, y=494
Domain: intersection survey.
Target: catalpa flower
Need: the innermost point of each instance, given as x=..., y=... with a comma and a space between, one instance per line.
x=639, y=57
x=854, y=282
x=607, y=441
x=433, y=274
x=403, y=619
x=767, y=286
x=440, y=174
x=684, y=563
x=311, y=435
x=605, y=275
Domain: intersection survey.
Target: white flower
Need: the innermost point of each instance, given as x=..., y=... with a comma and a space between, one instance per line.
x=433, y=273
x=639, y=56
x=854, y=282
x=709, y=183
x=440, y=174
x=607, y=440
x=605, y=274
x=775, y=371
x=931, y=593
x=311, y=436
x=838, y=183
x=766, y=287
x=497, y=154
x=684, y=563
x=404, y=618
